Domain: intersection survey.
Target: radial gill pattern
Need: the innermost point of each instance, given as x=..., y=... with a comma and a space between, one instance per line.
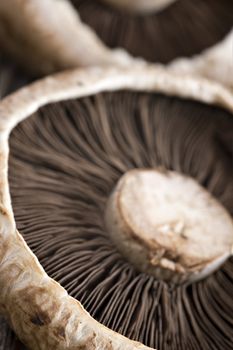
x=184, y=28
x=64, y=162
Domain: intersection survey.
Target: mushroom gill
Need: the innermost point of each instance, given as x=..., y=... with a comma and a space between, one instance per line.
x=182, y=28
x=66, y=159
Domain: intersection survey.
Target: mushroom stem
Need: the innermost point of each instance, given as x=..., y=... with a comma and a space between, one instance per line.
x=140, y=6
x=167, y=225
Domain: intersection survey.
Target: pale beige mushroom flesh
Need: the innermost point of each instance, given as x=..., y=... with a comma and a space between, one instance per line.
x=40, y=310
x=167, y=225
x=33, y=35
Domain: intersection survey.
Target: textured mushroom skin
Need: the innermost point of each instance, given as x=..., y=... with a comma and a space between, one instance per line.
x=39, y=309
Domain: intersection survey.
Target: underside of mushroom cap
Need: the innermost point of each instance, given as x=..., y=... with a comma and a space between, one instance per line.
x=160, y=37
x=36, y=305
x=33, y=35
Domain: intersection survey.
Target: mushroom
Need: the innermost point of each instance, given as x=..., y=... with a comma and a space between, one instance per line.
x=48, y=35
x=214, y=63
x=10, y=79
x=33, y=35
x=140, y=6
x=167, y=225
x=84, y=152
x=159, y=31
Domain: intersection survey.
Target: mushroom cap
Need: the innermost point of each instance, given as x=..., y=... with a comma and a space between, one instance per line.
x=34, y=36
x=40, y=311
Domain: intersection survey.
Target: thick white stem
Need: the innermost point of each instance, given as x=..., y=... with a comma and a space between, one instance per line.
x=169, y=226
x=140, y=6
